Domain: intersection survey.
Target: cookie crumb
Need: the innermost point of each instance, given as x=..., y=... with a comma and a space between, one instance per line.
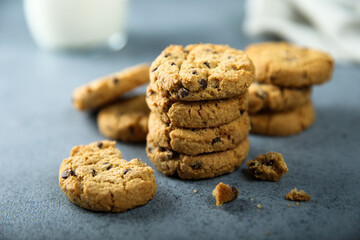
x=295, y=195
x=251, y=199
x=288, y=205
x=259, y=206
x=270, y=166
x=223, y=193
x=297, y=204
x=195, y=191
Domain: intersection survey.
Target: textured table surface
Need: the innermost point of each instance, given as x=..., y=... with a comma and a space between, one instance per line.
x=38, y=128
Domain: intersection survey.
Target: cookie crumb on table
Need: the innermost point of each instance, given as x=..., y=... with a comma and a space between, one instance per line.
x=297, y=204
x=259, y=206
x=296, y=195
x=195, y=191
x=224, y=193
x=270, y=166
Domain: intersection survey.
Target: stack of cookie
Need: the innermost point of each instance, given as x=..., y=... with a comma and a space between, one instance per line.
x=280, y=98
x=198, y=125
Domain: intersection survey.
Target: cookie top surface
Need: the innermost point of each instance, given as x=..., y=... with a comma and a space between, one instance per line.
x=125, y=120
x=268, y=97
x=97, y=178
x=201, y=72
x=288, y=65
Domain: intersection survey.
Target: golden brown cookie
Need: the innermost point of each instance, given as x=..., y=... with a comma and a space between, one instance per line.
x=270, y=166
x=295, y=195
x=201, y=166
x=198, y=141
x=95, y=177
x=109, y=88
x=125, y=120
x=283, y=123
x=198, y=114
x=288, y=65
x=267, y=97
x=223, y=193
x=201, y=72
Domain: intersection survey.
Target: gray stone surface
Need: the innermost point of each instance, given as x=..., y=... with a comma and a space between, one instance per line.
x=38, y=128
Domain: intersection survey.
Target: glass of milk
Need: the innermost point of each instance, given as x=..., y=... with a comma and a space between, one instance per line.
x=77, y=24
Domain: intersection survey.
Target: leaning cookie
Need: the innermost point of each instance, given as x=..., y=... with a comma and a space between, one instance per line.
x=199, y=141
x=288, y=65
x=125, y=120
x=95, y=177
x=283, y=123
x=201, y=72
x=171, y=163
x=267, y=97
x=109, y=88
x=197, y=114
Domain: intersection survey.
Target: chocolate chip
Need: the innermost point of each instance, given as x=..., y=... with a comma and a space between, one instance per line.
x=100, y=144
x=93, y=172
x=269, y=163
x=261, y=93
x=67, y=173
x=252, y=164
x=172, y=155
x=150, y=92
x=272, y=78
x=172, y=64
x=162, y=149
x=235, y=193
x=150, y=149
x=194, y=72
x=196, y=165
x=242, y=112
x=229, y=57
x=109, y=167
x=207, y=64
x=186, y=51
x=127, y=170
x=105, y=163
x=154, y=69
x=166, y=55
x=184, y=92
x=204, y=122
x=115, y=80
x=203, y=83
x=215, y=140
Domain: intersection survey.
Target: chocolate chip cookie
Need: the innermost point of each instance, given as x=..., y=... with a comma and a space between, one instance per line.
x=171, y=163
x=95, y=177
x=109, y=88
x=201, y=72
x=198, y=114
x=288, y=65
x=198, y=141
x=283, y=123
x=268, y=97
x=125, y=120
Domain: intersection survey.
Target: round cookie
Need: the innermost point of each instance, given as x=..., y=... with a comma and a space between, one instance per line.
x=125, y=120
x=171, y=163
x=199, y=114
x=201, y=72
x=288, y=65
x=267, y=97
x=96, y=178
x=107, y=89
x=283, y=123
x=199, y=141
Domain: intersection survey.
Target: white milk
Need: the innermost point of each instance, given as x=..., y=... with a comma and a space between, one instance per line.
x=77, y=24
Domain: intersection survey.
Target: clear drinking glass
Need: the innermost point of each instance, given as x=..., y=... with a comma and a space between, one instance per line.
x=77, y=24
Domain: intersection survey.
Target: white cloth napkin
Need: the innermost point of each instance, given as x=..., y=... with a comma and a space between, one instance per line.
x=330, y=25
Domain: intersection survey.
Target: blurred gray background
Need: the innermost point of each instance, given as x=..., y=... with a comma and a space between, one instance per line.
x=38, y=128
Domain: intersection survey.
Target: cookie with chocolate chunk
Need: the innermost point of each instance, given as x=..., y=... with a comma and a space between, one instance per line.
x=196, y=114
x=199, y=141
x=283, y=123
x=201, y=72
x=270, y=166
x=201, y=166
x=288, y=65
x=125, y=120
x=107, y=89
x=268, y=97
x=95, y=177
